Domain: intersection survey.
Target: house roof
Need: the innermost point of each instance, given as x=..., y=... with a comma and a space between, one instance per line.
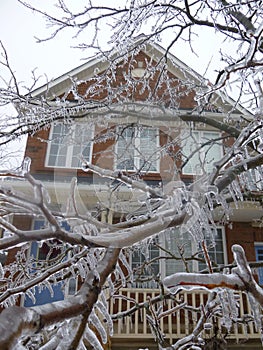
x=175, y=66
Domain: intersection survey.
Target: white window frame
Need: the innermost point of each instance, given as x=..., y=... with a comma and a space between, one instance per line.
x=199, y=135
x=70, y=147
x=137, y=149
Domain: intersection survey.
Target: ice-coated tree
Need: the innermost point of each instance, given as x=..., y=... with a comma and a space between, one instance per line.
x=94, y=251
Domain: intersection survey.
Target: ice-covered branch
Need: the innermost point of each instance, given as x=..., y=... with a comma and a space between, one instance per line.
x=241, y=278
x=127, y=180
x=209, y=281
x=15, y=320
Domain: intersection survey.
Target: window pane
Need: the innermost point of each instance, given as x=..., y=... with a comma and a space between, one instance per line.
x=174, y=242
x=137, y=149
x=201, y=159
x=58, y=147
x=148, y=149
x=212, y=152
x=143, y=271
x=189, y=146
x=259, y=257
x=81, y=145
x=126, y=149
x=70, y=145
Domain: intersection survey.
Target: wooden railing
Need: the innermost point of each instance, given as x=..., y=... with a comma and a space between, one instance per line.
x=177, y=324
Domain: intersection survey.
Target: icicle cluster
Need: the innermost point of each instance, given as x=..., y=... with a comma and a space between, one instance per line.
x=229, y=308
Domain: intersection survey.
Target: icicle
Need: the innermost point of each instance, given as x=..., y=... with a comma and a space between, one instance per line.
x=31, y=295
x=233, y=195
x=111, y=286
x=106, y=316
x=256, y=310
x=249, y=181
x=96, y=322
x=119, y=272
x=221, y=200
x=2, y=273
x=192, y=221
x=176, y=200
x=127, y=265
x=226, y=320
x=91, y=337
x=237, y=190
x=103, y=298
x=209, y=201
x=49, y=287
x=25, y=168
x=81, y=270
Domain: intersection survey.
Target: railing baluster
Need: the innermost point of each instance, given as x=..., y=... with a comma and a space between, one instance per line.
x=178, y=320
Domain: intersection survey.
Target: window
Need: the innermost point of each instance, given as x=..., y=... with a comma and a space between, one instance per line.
x=176, y=242
x=45, y=254
x=201, y=159
x=141, y=269
x=137, y=149
x=259, y=257
x=173, y=242
x=69, y=145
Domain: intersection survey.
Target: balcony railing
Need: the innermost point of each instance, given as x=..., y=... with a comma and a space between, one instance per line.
x=178, y=323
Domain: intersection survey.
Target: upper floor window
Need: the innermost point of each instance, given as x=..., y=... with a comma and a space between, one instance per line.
x=200, y=150
x=69, y=145
x=137, y=149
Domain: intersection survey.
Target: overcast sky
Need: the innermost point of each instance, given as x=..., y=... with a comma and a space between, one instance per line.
x=19, y=26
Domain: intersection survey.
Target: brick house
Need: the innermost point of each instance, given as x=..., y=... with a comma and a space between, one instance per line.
x=136, y=149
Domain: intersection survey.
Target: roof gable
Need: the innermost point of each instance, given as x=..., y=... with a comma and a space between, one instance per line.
x=155, y=53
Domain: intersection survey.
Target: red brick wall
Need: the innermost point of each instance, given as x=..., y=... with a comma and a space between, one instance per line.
x=24, y=223
x=244, y=234
x=156, y=89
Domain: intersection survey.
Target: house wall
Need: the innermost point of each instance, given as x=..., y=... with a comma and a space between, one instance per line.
x=24, y=223
x=241, y=233
x=244, y=234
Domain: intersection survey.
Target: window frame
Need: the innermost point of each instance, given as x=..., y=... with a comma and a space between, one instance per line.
x=201, y=135
x=70, y=148
x=137, y=149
